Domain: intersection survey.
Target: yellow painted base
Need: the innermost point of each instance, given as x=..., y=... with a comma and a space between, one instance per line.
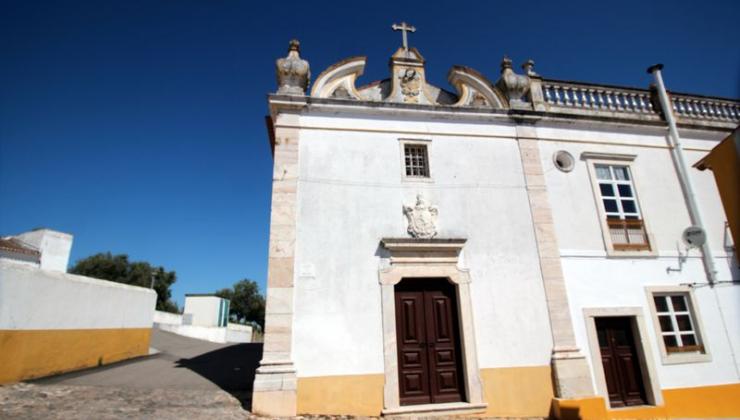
x=706, y=401
x=578, y=409
x=360, y=395
x=699, y=402
x=509, y=392
x=27, y=354
x=517, y=391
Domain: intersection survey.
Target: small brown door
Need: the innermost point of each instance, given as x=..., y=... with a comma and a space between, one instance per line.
x=620, y=360
x=429, y=360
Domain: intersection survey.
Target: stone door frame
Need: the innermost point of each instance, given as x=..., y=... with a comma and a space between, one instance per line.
x=428, y=258
x=642, y=346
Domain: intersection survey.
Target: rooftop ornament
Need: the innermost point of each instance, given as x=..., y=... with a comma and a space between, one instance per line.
x=293, y=73
x=515, y=86
x=404, y=27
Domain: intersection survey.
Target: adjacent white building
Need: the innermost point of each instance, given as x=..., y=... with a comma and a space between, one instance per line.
x=43, y=248
x=205, y=317
x=509, y=249
x=206, y=310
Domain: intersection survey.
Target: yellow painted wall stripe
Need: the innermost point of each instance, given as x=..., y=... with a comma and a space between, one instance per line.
x=510, y=392
x=360, y=395
x=705, y=401
x=27, y=354
x=714, y=401
x=518, y=392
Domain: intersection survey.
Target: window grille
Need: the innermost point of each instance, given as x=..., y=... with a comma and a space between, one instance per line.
x=677, y=326
x=417, y=160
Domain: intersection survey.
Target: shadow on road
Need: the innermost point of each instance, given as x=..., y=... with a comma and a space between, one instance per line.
x=231, y=368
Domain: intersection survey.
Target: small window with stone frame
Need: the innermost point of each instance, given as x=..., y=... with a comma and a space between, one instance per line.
x=678, y=327
x=416, y=160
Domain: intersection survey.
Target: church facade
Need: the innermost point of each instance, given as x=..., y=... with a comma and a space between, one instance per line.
x=512, y=248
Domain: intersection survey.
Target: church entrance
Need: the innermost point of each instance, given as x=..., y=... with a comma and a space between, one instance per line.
x=428, y=337
x=621, y=363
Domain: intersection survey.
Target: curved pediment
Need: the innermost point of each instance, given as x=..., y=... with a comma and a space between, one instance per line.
x=408, y=84
x=338, y=81
x=474, y=89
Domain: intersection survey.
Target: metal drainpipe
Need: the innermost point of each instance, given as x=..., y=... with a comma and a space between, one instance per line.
x=682, y=169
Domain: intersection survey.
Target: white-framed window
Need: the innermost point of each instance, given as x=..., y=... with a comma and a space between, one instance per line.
x=617, y=191
x=622, y=221
x=415, y=163
x=677, y=325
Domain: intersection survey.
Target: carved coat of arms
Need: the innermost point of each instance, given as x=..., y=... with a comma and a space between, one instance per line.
x=422, y=219
x=410, y=86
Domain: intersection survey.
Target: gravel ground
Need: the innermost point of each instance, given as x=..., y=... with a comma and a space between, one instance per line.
x=71, y=402
x=31, y=401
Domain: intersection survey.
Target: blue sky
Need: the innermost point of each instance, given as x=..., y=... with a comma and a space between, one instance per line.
x=138, y=126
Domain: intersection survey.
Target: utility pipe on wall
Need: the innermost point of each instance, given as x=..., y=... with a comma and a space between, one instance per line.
x=683, y=171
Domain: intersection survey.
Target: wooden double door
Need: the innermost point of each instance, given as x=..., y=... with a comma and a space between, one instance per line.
x=428, y=337
x=621, y=362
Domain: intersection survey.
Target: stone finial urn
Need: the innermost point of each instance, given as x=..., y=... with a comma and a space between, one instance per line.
x=514, y=86
x=293, y=73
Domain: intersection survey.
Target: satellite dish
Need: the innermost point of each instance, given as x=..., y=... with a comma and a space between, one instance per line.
x=694, y=236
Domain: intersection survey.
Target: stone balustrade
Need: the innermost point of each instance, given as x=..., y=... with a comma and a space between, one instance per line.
x=597, y=98
x=594, y=99
x=705, y=108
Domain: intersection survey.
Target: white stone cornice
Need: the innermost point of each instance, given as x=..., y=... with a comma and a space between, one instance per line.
x=608, y=156
x=291, y=104
x=430, y=251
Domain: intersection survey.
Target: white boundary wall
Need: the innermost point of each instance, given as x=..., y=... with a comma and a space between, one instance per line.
x=234, y=333
x=35, y=299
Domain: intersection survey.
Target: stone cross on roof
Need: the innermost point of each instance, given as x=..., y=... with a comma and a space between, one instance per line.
x=404, y=27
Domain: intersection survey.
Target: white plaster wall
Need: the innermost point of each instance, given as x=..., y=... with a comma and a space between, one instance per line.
x=595, y=281
x=233, y=334
x=212, y=334
x=236, y=333
x=205, y=310
x=161, y=317
x=36, y=299
x=54, y=246
x=660, y=196
x=599, y=283
x=351, y=195
x=16, y=258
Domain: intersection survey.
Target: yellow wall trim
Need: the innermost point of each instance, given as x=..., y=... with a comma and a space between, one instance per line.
x=360, y=395
x=518, y=391
x=509, y=392
x=705, y=401
x=698, y=402
x=28, y=354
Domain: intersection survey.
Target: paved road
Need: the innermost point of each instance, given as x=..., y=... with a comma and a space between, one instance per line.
x=188, y=379
x=183, y=363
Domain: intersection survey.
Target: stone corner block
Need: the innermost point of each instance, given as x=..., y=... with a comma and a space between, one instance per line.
x=572, y=378
x=280, y=403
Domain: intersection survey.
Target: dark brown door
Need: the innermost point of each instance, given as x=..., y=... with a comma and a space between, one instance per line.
x=621, y=364
x=429, y=360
